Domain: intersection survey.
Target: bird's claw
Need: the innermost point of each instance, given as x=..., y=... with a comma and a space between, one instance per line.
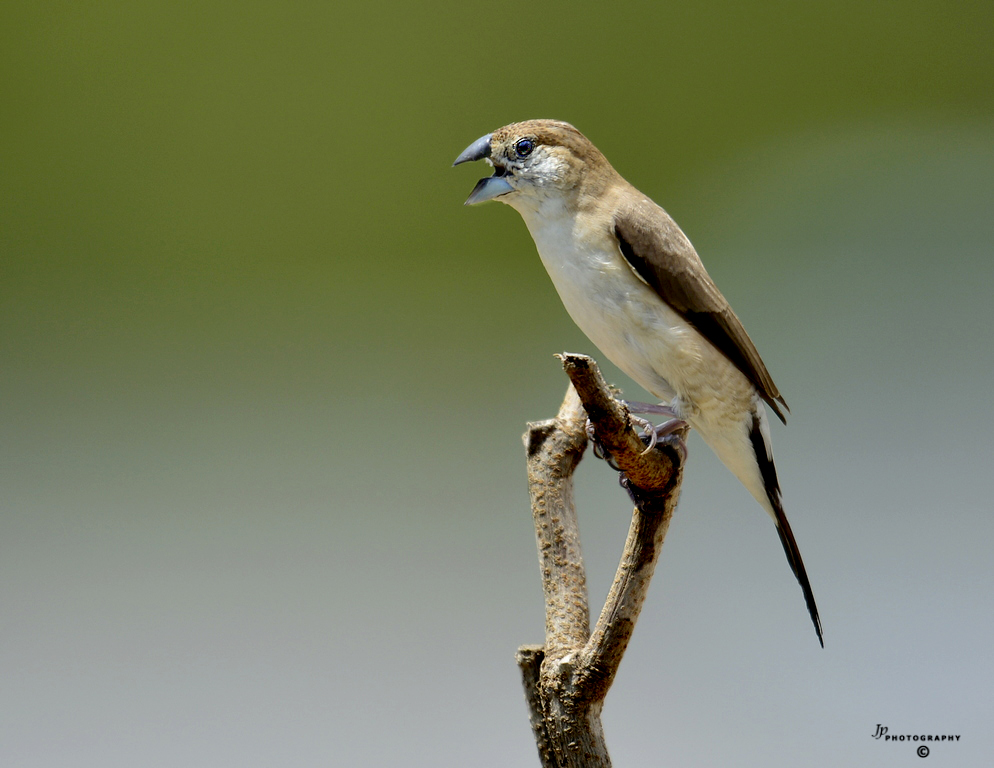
x=671, y=433
x=648, y=432
x=598, y=449
x=676, y=442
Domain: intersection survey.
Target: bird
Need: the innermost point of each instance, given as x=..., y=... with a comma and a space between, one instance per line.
x=631, y=280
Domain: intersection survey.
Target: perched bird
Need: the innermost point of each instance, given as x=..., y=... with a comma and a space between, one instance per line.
x=634, y=284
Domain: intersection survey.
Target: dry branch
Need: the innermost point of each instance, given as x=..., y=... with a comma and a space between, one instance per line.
x=567, y=679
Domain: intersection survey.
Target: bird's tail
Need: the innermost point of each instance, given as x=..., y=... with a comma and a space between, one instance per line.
x=759, y=475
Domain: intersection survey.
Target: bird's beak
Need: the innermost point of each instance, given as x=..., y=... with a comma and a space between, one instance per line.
x=490, y=187
x=478, y=150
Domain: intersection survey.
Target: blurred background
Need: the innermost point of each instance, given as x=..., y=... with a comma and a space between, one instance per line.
x=263, y=379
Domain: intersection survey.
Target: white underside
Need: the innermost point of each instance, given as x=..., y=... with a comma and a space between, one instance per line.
x=649, y=341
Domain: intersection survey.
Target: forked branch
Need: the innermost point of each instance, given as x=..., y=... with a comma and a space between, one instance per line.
x=567, y=679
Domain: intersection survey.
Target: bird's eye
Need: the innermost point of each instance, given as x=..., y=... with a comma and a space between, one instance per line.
x=524, y=147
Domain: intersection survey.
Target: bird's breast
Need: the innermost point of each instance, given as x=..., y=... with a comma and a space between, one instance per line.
x=628, y=320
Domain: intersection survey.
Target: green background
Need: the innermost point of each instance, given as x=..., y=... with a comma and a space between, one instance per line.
x=263, y=378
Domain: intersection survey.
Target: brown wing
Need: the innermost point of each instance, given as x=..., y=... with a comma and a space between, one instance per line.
x=662, y=255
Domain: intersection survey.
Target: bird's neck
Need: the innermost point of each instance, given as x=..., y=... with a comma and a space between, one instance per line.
x=555, y=206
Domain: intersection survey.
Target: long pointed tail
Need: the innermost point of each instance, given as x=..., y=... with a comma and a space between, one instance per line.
x=764, y=457
x=797, y=565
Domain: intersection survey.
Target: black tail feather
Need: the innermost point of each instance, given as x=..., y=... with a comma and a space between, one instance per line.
x=797, y=565
x=772, y=485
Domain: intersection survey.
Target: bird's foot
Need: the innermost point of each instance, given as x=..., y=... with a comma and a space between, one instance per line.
x=669, y=433
x=599, y=451
x=649, y=436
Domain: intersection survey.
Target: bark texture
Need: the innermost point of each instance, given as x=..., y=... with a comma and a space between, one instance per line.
x=567, y=679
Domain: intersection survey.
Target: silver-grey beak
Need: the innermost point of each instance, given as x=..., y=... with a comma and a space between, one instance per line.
x=488, y=189
x=485, y=189
x=478, y=150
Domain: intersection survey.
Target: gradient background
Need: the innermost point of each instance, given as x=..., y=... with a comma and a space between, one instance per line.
x=263, y=379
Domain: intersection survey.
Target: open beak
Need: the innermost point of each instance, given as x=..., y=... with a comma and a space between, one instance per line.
x=490, y=187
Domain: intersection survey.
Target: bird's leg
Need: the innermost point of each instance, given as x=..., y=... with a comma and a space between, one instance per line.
x=655, y=408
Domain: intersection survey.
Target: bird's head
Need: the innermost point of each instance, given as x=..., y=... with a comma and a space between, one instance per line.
x=534, y=161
